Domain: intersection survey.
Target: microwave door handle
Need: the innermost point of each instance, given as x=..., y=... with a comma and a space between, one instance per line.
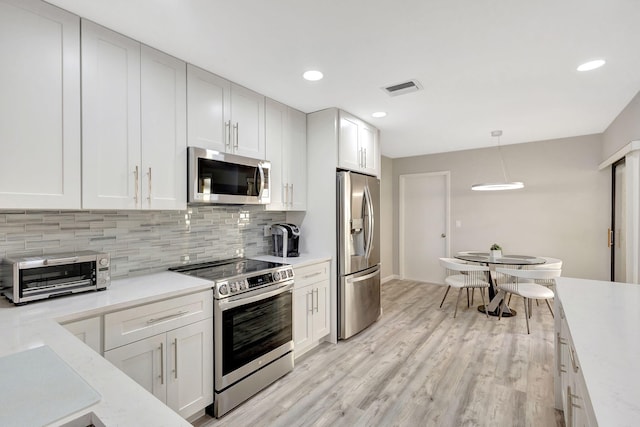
x=260, y=187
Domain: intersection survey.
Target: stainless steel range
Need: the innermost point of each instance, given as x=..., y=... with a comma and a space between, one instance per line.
x=253, y=326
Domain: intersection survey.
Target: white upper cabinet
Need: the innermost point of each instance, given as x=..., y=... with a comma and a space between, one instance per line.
x=39, y=106
x=164, y=130
x=358, y=145
x=286, y=140
x=223, y=116
x=110, y=119
x=134, y=124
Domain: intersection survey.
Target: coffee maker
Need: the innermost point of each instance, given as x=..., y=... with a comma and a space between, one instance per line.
x=286, y=238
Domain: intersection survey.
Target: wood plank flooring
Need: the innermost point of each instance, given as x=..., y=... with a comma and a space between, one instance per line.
x=418, y=366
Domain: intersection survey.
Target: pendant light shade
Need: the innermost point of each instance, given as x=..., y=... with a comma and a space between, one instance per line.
x=499, y=186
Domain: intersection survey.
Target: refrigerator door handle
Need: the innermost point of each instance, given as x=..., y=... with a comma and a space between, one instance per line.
x=363, y=278
x=371, y=225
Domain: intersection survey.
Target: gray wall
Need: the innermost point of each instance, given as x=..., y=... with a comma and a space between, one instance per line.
x=386, y=218
x=624, y=129
x=562, y=212
x=141, y=241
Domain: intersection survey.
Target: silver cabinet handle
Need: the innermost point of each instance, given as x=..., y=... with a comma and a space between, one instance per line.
x=364, y=158
x=286, y=194
x=310, y=306
x=149, y=197
x=573, y=359
x=170, y=316
x=227, y=135
x=571, y=405
x=235, y=143
x=316, y=292
x=161, y=363
x=560, y=342
x=317, y=273
x=291, y=200
x=137, y=185
x=175, y=357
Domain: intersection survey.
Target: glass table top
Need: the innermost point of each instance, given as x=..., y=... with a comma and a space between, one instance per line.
x=484, y=257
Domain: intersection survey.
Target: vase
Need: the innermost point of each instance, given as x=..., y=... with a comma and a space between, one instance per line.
x=496, y=254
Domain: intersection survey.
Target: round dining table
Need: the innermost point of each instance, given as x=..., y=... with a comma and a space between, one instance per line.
x=496, y=295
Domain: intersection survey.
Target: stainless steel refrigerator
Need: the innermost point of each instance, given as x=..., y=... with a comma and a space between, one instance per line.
x=358, y=252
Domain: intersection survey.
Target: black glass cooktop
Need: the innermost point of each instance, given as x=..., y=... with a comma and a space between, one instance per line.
x=224, y=269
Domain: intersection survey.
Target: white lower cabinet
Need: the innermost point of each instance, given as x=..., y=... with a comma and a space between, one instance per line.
x=176, y=366
x=89, y=331
x=572, y=395
x=310, y=306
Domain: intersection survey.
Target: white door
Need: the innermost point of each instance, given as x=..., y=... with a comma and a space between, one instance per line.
x=247, y=121
x=110, y=119
x=164, y=131
x=424, y=225
x=145, y=362
x=190, y=367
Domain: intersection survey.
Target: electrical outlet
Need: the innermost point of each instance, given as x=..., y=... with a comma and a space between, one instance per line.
x=267, y=230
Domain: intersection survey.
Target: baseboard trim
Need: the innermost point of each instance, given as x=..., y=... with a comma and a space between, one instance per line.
x=389, y=278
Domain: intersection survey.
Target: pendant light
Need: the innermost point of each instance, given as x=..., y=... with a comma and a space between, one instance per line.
x=498, y=186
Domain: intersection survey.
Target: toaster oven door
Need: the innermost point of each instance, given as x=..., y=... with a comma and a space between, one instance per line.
x=54, y=280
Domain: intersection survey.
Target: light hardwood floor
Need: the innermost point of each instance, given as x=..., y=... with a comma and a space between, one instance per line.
x=418, y=366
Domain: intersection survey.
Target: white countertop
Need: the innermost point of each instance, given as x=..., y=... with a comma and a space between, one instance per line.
x=123, y=401
x=604, y=321
x=299, y=261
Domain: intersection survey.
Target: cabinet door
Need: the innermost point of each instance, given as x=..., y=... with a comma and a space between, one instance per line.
x=302, y=319
x=190, y=368
x=208, y=107
x=247, y=121
x=369, y=146
x=110, y=119
x=276, y=118
x=296, y=159
x=164, y=131
x=89, y=331
x=349, y=155
x=321, y=324
x=39, y=106
x=145, y=362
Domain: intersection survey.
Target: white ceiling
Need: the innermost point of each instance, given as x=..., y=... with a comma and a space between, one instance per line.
x=484, y=64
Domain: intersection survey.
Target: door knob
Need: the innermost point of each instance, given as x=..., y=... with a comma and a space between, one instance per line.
x=443, y=235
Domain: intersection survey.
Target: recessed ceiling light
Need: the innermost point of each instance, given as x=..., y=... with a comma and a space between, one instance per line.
x=379, y=114
x=591, y=65
x=312, y=75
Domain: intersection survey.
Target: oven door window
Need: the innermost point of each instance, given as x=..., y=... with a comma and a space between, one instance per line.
x=255, y=329
x=40, y=280
x=216, y=177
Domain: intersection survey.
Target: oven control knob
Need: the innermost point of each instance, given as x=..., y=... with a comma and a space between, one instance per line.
x=244, y=285
x=276, y=275
x=233, y=287
x=223, y=289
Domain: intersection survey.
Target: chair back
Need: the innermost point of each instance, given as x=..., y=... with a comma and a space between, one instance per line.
x=547, y=274
x=454, y=264
x=550, y=264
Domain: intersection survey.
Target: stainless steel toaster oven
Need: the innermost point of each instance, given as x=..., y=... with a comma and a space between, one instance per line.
x=38, y=277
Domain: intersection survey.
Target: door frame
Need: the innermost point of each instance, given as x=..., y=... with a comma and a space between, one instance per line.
x=613, y=240
x=401, y=210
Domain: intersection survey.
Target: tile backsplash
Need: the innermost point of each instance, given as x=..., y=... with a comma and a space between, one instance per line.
x=141, y=241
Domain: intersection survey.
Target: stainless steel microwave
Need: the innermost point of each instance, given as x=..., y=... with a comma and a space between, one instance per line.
x=39, y=277
x=216, y=177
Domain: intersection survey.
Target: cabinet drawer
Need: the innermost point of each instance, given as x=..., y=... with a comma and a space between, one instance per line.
x=311, y=274
x=133, y=324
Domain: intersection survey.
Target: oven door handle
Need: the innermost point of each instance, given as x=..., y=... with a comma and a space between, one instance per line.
x=226, y=305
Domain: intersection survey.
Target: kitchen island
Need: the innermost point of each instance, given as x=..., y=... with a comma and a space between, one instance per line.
x=597, y=350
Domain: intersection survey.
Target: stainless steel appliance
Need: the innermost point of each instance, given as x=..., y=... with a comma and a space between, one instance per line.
x=252, y=326
x=358, y=252
x=40, y=277
x=286, y=239
x=216, y=177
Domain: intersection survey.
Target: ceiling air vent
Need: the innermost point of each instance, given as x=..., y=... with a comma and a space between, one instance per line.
x=402, y=88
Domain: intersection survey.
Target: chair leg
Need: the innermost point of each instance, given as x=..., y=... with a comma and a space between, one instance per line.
x=457, y=301
x=526, y=313
x=468, y=298
x=486, y=311
x=510, y=295
x=473, y=291
x=445, y=295
x=530, y=307
x=550, y=309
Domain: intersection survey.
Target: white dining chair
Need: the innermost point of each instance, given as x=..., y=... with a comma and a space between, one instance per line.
x=464, y=276
x=523, y=283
